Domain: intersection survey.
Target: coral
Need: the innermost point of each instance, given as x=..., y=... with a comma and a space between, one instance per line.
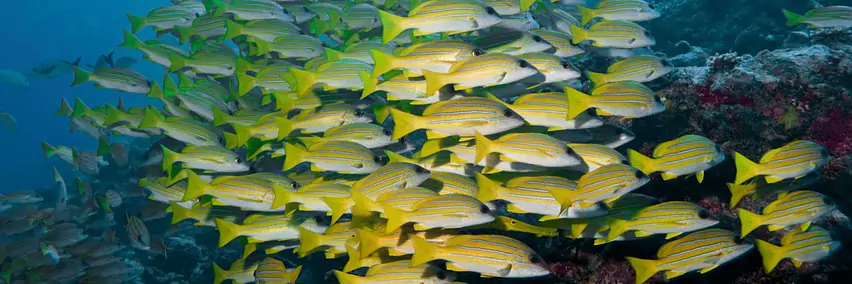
x=613, y=271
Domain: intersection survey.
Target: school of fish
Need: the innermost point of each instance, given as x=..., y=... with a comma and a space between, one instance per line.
x=334, y=95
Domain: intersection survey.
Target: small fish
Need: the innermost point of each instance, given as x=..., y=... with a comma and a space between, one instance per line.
x=533, y=195
x=672, y=218
x=138, y=232
x=267, y=30
x=251, y=192
x=561, y=42
x=390, y=178
x=798, y=208
x=332, y=241
x=436, y=56
x=239, y=271
x=248, y=10
x=703, y=251
x=369, y=135
x=340, y=74
x=464, y=117
x=619, y=10
x=509, y=7
x=618, y=34
x=291, y=46
x=531, y=148
x=793, y=160
x=205, y=216
x=322, y=197
x=688, y=154
x=87, y=162
x=358, y=51
x=440, y=17
x=595, y=156
x=189, y=131
x=639, y=68
x=607, y=134
x=512, y=42
x=124, y=80
x=451, y=183
x=55, y=68
x=51, y=252
x=398, y=243
x=822, y=17
x=443, y=211
x=361, y=16
x=399, y=273
x=606, y=183
x=799, y=246
x=13, y=78
x=489, y=255
x=260, y=228
x=211, y=158
x=163, y=18
x=207, y=62
x=552, y=67
x=625, y=99
x=154, y=51
x=271, y=270
x=489, y=69
x=337, y=156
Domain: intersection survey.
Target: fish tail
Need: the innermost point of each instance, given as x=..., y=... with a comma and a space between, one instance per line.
x=248, y=249
x=597, y=78
x=738, y=192
x=103, y=146
x=484, y=146
x=220, y=117
x=295, y=155
x=293, y=275
x=80, y=76
x=282, y=196
x=170, y=89
x=431, y=146
x=169, y=158
x=333, y=55
x=392, y=26
x=64, y=108
x=396, y=218
x=184, y=34
x=346, y=278
x=285, y=127
x=397, y=158
x=488, y=189
x=195, y=186
x=793, y=18
x=382, y=113
x=260, y=48
x=155, y=91
x=309, y=241
x=578, y=102
x=384, y=62
x=245, y=82
x=369, y=84
x=243, y=134
x=219, y=274
x=227, y=231
x=304, y=81
x=434, y=82
x=211, y=5
x=617, y=228
x=404, y=123
x=579, y=34
x=771, y=254
x=746, y=169
x=645, y=268
x=310, y=140
x=131, y=41
x=362, y=208
x=283, y=102
x=565, y=198
x=640, y=162
x=150, y=120
x=526, y=4
x=338, y=206
x=424, y=251
x=48, y=150
x=196, y=44
x=232, y=29
x=368, y=242
x=136, y=23
x=176, y=62
x=179, y=213
x=586, y=14
x=749, y=222
x=80, y=108
x=354, y=261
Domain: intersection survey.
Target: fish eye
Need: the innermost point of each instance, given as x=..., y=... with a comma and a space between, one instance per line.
x=387, y=132
x=441, y=275
x=566, y=65
x=650, y=6
x=536, y=259
x=490, y=11
x=238, y=160
x=537, y=38
x=478, y=52
x=647, y=33
x=377, y=159
x=639, y=174
x=484, y=209
x=658, y=99
x=523, y=64
x=229, y=67
x=703, y=214
x=251, y=73
x=420, y=170
x=569, y=151
x=591, y=112
x=823, y=152
x=717, y=148
x=295, y=185
x=666, y=63
x=359, y=113
x=508, y=113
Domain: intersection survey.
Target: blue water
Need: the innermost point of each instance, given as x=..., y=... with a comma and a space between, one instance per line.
x=41, y=30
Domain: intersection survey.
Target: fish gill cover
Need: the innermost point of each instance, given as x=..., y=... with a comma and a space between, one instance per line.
x=492, y=141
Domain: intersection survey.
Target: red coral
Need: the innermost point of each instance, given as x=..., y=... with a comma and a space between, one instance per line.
x=833, y=131
x=568, y=270
x=614, y=272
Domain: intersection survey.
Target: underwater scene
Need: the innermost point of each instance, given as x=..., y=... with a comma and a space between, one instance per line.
x=426, y=141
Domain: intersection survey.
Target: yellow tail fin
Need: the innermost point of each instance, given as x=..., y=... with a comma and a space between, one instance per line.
x=369, y=242
x=645, y=268
x=392, y=26
x=346, y=278
x=309, y=241
x=179, y=213
x=396, y=218
x=750, y=221
x=227, y=231
x=488, y=189
x=282, y=196
x=577, y=102
x=369, y=84
x=738, y=192
x=285, y=127
x=219, y=274
x=434, y=82
x=295, y=155
x=243, y=134
x=564, y=197
x=403, y=123
x=195, y=187
x=169, y=158
x=640, y=162
x=793, y=18
x=245, y=83
x=333, y=55
x=338, y=206
x=354, y=261
x=293, y=275
x=424, y=251
x=617, y=228
x=597, y=78
x=304, y=81
x=579, y=34
x=586, y=14
x=484, y=146
x=746, y=169
x=384, y=62
x=397, y=158
x=771, y=254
